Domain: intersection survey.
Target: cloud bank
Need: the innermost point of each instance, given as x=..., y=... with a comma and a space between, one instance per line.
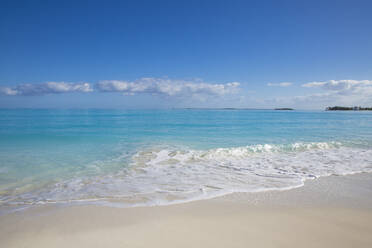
x=45, y=88
x=315, y=95
x=334, y=92
x=167, y=87
x=346, y=87
x=153, y=86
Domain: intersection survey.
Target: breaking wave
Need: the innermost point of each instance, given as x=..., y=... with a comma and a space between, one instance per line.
x=166, y=175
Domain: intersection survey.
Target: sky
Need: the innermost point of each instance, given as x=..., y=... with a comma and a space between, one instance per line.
x=175, y=54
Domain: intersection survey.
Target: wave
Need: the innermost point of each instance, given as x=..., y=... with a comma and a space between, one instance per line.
x=156, y=155
x=167, y=175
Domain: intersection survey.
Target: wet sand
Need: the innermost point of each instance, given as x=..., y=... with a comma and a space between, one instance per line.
x=328, y=212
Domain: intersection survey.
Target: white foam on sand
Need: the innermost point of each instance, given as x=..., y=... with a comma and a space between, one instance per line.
x=170, y=175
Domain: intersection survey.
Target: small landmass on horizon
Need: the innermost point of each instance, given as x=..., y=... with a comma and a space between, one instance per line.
x=284, y=109
x=355, y=108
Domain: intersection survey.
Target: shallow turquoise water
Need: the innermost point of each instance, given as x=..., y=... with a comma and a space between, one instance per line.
x=70, y=155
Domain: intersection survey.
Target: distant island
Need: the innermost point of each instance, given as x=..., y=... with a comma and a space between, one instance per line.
x=335, y=108
x=284, y=109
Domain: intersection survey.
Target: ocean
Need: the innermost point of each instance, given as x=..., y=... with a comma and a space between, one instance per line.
x=130, y=158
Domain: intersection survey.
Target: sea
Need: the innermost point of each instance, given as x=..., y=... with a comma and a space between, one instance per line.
x=129, y=158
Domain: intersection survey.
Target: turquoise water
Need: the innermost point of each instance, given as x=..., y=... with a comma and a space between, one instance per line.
x=152, y=157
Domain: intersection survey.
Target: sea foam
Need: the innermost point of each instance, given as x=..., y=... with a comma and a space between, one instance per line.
x=163, y=175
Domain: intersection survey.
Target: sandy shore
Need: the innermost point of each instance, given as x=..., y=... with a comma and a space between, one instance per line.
x=328, y=212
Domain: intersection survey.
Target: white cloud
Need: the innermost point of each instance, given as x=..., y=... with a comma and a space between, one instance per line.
x=313, y=84
x=45, y=88
x=354, y=90
x=7, y=91
x=168, y=87
x=333, y=92
x=283, y=84
x=340, y=85
x=195, y=89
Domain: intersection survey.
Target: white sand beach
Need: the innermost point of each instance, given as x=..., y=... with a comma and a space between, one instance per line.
x=328, y=212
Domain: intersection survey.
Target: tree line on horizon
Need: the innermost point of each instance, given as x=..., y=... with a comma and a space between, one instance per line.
x=356, y=108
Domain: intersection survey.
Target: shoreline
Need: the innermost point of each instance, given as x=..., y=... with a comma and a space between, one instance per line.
x=335, y=211
x=248, y=196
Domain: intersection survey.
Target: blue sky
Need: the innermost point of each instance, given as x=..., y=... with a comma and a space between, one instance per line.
x=165, y=54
